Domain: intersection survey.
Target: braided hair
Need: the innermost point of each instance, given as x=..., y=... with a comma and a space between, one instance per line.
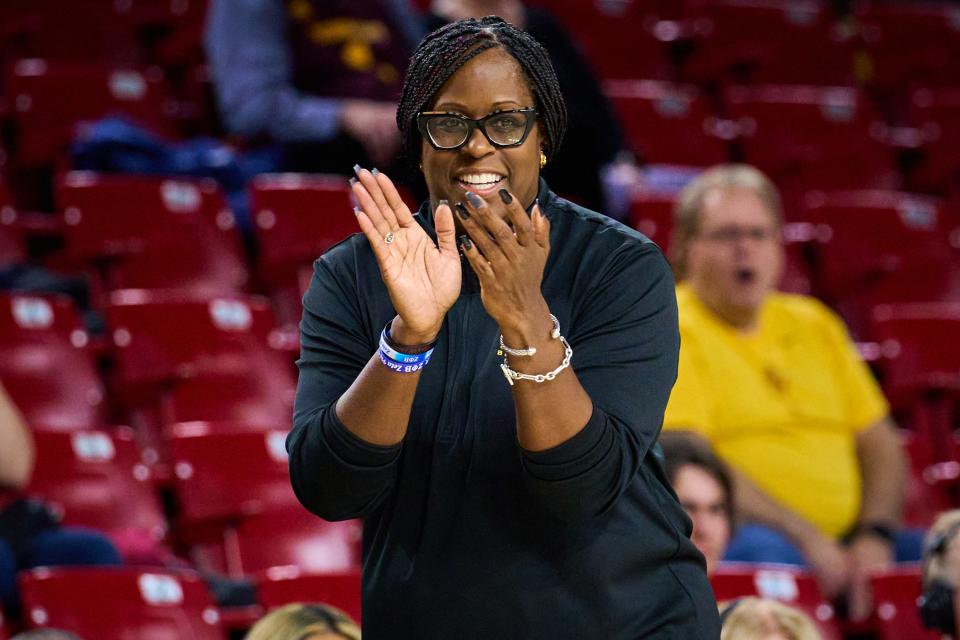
x=442, y=52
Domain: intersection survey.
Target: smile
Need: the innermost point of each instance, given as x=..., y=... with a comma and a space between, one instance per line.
x=479, y=183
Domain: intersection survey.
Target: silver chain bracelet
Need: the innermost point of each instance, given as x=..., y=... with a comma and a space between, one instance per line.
x=512, y=375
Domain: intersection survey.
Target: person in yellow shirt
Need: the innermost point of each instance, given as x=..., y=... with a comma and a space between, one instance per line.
x=774, y=384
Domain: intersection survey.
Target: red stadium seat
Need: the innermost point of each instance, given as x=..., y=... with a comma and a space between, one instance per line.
x=128, y=227
x=622, y=38
x=240, y=510
x=910, y=43
x=13, y=247
x=49, y=98
x=45, y=365
x=812, y=137
x=769, y=41
x=98, y=479
x=895, y=595
x=879, y=246
x=936, y=113
x=921, y=376
x=297, y=218
x=668, y=123
x=791, y=586
x=285, y=585
x=121, y=603
x=930, y=482
x=651, y=214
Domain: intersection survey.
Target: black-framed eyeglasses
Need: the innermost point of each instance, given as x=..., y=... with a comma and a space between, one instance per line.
x=449, y=131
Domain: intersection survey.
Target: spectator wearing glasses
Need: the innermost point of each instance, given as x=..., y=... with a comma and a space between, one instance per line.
x=775, y=385
x=493, y=415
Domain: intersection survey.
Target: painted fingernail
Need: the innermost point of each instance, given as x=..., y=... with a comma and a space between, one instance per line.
x=505, y=196
x=356, y=169
x=475, y=201
x=462, y=211
x=353, y=181
x=440, y=203
x=374, y=171
x=356, y=211
x=465, y=243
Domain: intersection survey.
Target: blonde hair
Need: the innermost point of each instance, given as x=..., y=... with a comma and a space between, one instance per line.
x=686, y=213
x=300, y=621
x=754, y=618
x=936, y=566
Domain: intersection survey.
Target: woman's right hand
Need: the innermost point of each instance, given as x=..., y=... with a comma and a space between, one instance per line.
x=422, y=278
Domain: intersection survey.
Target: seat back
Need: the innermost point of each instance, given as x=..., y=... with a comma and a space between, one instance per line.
x=284, y=585
x=121, y=603
x=668, y=123
x=50, y=97
x=895, y=595
x=790, y=586
x=98, y=479
x=129, y=227
x=45, y=365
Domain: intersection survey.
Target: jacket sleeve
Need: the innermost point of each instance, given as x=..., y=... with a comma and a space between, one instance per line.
x=335, y=474
x=625, y=344
x=250, y=65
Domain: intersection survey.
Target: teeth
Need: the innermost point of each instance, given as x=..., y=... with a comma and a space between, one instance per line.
x=480, y=178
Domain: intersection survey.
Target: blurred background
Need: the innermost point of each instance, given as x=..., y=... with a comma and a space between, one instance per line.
x=169, y=169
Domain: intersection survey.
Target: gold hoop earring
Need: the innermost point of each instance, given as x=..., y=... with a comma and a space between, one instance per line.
x=543, y=159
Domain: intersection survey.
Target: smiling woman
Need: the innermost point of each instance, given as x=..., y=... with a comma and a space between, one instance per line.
x=493, y=415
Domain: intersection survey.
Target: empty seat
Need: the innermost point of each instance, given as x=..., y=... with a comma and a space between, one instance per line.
x=121, y=603
x=791, y=586
x=769, y=41
x=921, y=367
x=49, y=98
x=98, y=479
x=12, y=243
x=298, y=217
x=651, y=214
x=285, y=585
x=240, y=512
x=936, y=113
x=128, y=229
x=878, y=246
x=45, y=365
x=668, y=123
x=812, y=137
x=910, y=43
x=895, y=595
x=622, y=39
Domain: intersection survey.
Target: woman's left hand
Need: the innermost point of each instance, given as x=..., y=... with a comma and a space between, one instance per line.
x=508, y=262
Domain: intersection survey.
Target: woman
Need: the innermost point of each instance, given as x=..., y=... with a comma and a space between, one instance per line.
x=529, y=506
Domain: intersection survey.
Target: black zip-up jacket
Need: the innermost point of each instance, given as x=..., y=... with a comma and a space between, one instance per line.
x=466, y=535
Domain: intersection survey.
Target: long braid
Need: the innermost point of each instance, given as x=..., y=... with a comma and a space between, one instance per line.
x=442, y=52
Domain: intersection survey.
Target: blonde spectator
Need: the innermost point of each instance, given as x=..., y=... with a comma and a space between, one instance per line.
x=760, y=619
x=941, y=575
x=305, y=622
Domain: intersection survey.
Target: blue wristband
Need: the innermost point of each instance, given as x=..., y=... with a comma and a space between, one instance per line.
x=399, y=367
x=403, y=358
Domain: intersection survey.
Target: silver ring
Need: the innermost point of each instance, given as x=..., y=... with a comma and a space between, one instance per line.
x=388, y=238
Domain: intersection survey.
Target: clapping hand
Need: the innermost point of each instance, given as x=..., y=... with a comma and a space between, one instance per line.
x=422, y=277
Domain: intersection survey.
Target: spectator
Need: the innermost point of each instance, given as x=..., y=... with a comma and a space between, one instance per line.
x=941, y=575
x=775, y=385
x=760, y=619
x=703, y=486
x=593, y=155
x=29, y=534
x=322, y=78
x=305, y=622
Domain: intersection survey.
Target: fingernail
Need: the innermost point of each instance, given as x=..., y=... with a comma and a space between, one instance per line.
x=374, y=171
x=356, y=169
x=353, y=181
x=465, y=243
x=462, y=211
x=440, y=203
x=356, y=211
x=475, y=201
x=505, y=196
